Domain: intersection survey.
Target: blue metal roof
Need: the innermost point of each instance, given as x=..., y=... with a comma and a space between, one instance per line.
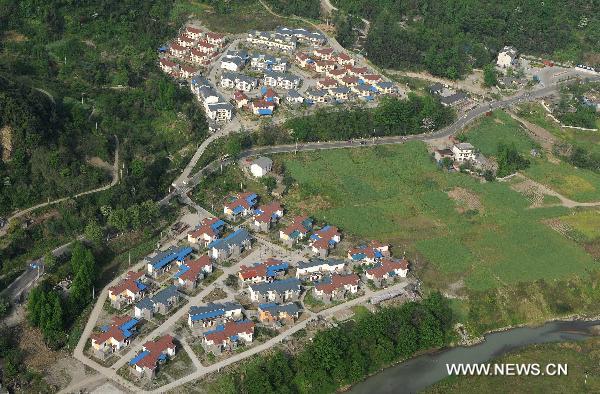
x=265, y=111
x=272, y=270
x=182, y=270
x=208, y=315
x=168, y=256
x=137, y=358
x=140, y=285
x=217, y=226
x=277, y=286
x=236, y=237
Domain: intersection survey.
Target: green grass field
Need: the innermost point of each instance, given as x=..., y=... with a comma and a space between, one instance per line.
x=499, y=128
x=396, y=194
x=584, y=222
x=580, y=357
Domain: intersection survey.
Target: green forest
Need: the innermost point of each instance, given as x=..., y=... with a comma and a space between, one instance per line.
x=307, y=8
x=72, y=76
x=393, y=116
x=450, y=37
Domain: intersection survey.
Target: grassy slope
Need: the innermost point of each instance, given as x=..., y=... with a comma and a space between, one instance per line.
x=575, y=183
x=580, y=357
x=397, y=195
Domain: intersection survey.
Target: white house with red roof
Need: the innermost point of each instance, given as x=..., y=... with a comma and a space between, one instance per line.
x=215, y=38
x=266, y=216
x=193, y=33
x=336, y=287
x=153, y=353
x=207, y=231
x=128, y=291
x=240, y=205
x=371, y=78
x=369, y=253
x=199, y=57
x=349, y=81
x=188, y=71
x=327, y=83
x=185, y=41
x=168, y=66
x=357, y=71
x=206, y=47
x=178, y=51
x=225, y=337
x=304, y=60
x=337, y=74
x=324, y=239
x=322, y=66
x=114, y=337
x=191, y=271
x=323, y=53
x=344, y=59
x=268, y=270
x=262, y=107
x=387, y=270
x=240, y=98
x=297, y=230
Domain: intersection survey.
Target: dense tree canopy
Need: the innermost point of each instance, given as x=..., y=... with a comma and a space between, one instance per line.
x=448, y=37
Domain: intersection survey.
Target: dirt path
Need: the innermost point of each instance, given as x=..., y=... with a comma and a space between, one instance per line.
x=543, y=189
x=540, y=134
x=470, y=85
x=115, y=179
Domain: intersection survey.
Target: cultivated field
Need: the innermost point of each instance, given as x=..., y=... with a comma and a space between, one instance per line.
x=457, y=227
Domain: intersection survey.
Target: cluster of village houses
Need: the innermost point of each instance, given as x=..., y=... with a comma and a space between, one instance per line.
x=339, y=79
x=273, y=287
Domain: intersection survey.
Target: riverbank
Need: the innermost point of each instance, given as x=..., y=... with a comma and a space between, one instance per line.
x=420, y=372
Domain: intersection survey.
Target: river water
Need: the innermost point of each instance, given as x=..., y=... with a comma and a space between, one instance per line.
x=420, y=372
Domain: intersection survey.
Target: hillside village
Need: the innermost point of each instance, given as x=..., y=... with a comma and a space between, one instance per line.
x=254, y=74
x=222, y=294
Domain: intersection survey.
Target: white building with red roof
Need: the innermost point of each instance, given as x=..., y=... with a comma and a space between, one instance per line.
x=199, y=57
x=114, y=337
x=324, y=239
x=322, y=66
x=188, y=71
x=153, y=353
x=240, y=98
x=207, y=231
x=191, y=271
x=185, y=41
x=206, y=47
x=127, y=291
x=266, y=216
x=240, y=205
x=270, y=269
x=193, y=33
x=178, y=51
x=323, y=53
x=387, y=270
x=225, y=337
x=297, y=230
x=344, y=59
x=168, y=66
x=215, y=38
x=327, y=83
x=336, y=287
x=369, y=253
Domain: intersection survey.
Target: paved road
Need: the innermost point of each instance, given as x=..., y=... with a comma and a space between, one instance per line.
x=278, y=339
x=115, y=179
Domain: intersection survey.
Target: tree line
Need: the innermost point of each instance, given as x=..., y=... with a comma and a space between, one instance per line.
x=417, y=114
x=307, y=8
x=344, y=355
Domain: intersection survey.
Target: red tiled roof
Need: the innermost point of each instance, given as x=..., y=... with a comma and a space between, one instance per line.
x=188, y=69
x=240, y=199
x=205, y=228
x=127, y=284
x=338, y=281
x=239, y=95
x=268, y=211
x=113, y=331
x=196, y=266
x=296, y=226
x=191, y=29
x=214, y=36
x=177, y=47
x=344, y=56
x=257, y=271
x=230, y=329
x=337, y=72
x=348, y=80
x=167, y=62
x=156, y=348
x=324, y=237
x=270, y=93
x=205, y=44
x=359, y=70
x=372, y=77
x=324, y=51
x=328, y=82
x=388, y=265
x=260, y=103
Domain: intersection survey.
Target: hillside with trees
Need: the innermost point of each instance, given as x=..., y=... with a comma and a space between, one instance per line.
x=449, y=38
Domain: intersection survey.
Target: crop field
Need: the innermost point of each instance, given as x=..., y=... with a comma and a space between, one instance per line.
x=457, y=227
x=584, y=222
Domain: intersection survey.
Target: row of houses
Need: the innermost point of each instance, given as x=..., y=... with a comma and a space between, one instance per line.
x=237, y=60
x=215, y=106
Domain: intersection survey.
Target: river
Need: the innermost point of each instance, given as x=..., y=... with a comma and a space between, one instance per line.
x=421, y=372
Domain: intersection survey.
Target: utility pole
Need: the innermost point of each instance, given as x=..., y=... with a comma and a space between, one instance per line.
x=129, y=258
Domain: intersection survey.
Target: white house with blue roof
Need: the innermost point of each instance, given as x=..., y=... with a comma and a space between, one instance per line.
x=232, y=245
x=161, y=262
x=278, y=291
x=213, y=314
x=114, y=337
x=161, y=302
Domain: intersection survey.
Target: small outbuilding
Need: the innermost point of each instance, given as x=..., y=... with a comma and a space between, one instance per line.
x=261, y=166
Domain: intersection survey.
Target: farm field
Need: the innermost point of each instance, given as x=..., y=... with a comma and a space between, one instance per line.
x=455, y=226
